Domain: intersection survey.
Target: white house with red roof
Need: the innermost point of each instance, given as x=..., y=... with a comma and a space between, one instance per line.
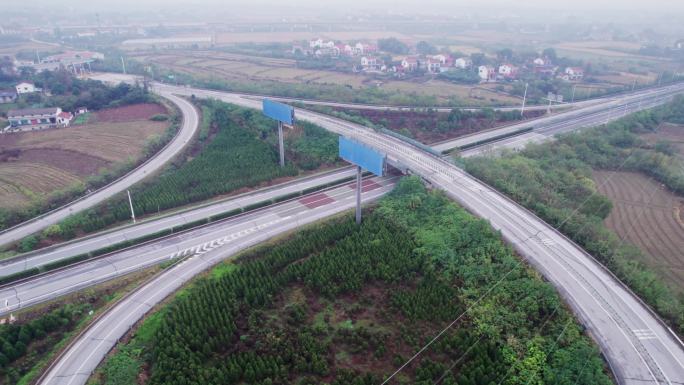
x=64, y=118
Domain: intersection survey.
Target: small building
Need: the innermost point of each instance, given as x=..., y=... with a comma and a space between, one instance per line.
x=81, y=111
x=371, y=63
x=486, y=73
x=7, y=97
x=539, y=62
x=433, y=65
x=26, y=88
x=508, y=71
x=410, y=63
x=326, y=51
x=64, y=119
x=547, y=70
x=441, y=58
x=463, y=63
x=573, y=73
x=38, y=118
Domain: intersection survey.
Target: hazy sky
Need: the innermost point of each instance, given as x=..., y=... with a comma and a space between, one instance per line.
x=424, y=5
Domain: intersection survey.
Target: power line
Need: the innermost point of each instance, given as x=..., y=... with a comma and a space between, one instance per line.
x=452, y=323
x=525, y=295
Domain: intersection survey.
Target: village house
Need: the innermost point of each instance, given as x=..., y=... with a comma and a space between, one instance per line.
x=371, y=63
x=486, y=73
x=441, y=58
x=539, y=62
x=26, y=88
x=410, y=63
x=463, y=63
x=432, y=65
x=7, y=97
x=508, y=71
x=573, y=74
x=327, y=51
x=38, y=118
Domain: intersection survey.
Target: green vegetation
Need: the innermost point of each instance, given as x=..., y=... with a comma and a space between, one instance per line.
x=39, y=333
x=242, y=153
x=392, y=45
x=554, y=180
x=426, y=125
x=81, y=119
x=461, y=76
x=69, y=92
x=160, y=118
x=344, y=304
x=21, y=346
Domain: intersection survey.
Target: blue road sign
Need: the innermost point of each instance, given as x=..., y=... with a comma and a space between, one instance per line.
x=278, y=111
x=360, y=155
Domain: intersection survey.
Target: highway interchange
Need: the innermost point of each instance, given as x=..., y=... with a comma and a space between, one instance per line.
x=184, y=135
x=639, y=348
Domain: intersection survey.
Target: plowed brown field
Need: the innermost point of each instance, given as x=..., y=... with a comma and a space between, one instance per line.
x=37, y=163
x=649, y=216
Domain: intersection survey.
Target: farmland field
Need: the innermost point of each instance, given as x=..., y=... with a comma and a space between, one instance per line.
x=673, y=133
x=35, y=164
x=647, y=215
x=268, y=37
x=209, y=65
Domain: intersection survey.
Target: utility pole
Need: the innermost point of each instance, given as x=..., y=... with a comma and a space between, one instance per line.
x=123, y=65
x=281, y=145
x=574, y=87
x=358, y=195
x=548, y=108
x=660, y=78
x=522, y=109
x=130, y=202
x=634, y=84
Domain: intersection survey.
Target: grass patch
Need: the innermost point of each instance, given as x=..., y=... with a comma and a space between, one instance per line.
x=81, y=119
x=223, y=269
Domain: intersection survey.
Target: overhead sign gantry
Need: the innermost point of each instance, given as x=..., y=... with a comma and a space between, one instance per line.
x=282, y=113
x=363, y=157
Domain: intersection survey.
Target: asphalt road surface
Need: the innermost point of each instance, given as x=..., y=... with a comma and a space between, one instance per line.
x=546, y=127
x=638, y=346
x=142, y=228
x=188, y=244
x=186, y=132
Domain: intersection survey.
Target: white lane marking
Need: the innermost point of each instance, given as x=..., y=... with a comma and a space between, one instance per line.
x=645, y=334
x=548, y=242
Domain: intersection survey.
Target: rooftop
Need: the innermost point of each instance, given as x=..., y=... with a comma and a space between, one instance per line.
x=32, y=111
